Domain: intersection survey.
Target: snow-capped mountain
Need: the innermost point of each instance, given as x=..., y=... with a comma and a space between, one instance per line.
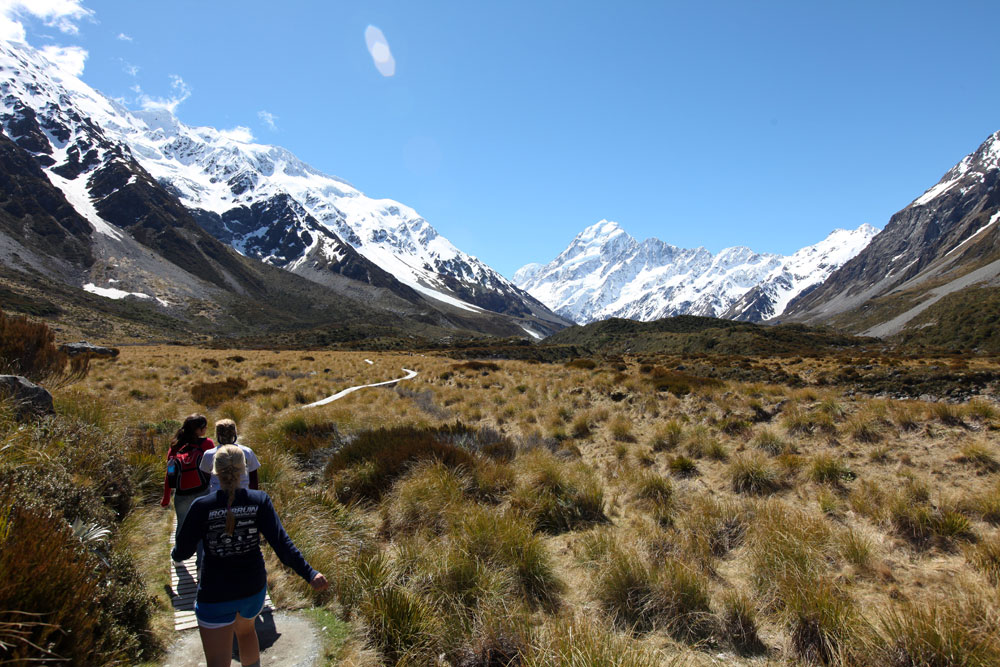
x=259, y=199
x=605, y=273
x=945, y=241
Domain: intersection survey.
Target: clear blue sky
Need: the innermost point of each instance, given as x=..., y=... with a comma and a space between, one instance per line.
x=511, y=126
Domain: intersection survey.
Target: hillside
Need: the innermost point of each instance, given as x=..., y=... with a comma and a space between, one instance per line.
x=687, y=334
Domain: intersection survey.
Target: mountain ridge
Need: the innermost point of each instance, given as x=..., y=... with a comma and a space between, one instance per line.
x=604, y=272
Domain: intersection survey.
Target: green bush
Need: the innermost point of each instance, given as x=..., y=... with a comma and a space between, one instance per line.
x=211, y=394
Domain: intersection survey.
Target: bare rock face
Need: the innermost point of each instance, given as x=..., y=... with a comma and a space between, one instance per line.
x=30, y=400
x=83, y=348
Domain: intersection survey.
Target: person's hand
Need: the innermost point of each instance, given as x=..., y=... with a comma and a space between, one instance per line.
x=164, y=504
x=319, y=582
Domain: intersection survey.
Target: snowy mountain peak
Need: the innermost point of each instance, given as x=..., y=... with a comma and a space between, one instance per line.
x=260, y=199
x=606, y=273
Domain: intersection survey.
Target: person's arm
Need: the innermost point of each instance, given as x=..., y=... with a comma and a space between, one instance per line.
x=253, y=463
x=272, y=530
x=191, y=533
x=254, y=483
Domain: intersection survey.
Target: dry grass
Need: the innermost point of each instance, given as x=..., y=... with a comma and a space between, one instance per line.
x=809, y=523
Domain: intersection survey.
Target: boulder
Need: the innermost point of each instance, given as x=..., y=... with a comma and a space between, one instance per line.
x=83, y=348
x=29, y=398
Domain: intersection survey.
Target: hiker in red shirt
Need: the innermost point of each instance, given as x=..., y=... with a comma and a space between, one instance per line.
x=184, y=477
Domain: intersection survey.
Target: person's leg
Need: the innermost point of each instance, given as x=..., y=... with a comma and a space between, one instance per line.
x=218, y=645
x=246, y=637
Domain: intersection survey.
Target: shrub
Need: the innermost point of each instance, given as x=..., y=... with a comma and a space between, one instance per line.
x=753, y=474
x=366, y=467
x=583, y=364
x=211, y=394
x=63, y=599
x=476, y=366
x=680, y=384
x=28, y=348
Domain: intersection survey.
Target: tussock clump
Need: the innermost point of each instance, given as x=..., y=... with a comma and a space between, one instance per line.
x=366, y=467
x=947, y=413
x=738, y=621
x=985, y=557
x=667, y=436
x=985, y=505
x=579, y=642
x=556, y=497
x=504, y=541
x=682, y=466
x=656, y=493
x=426, y=498
x=863, y=428
x=957, y=630
x=825, y=469
x=641, y=597
x=711, y=528
x=753, y=474
x=769, y=442
x=914, y=517
x=621, y=429
x=583, y=364
x=980, y=455
x=401, y=626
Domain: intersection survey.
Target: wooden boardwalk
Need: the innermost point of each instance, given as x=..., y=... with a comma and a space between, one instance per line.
x=184, y=584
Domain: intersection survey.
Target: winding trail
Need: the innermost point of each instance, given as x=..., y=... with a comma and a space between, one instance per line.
x=340, y=394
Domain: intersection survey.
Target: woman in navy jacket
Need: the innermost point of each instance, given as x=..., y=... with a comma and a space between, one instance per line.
x=233, y=580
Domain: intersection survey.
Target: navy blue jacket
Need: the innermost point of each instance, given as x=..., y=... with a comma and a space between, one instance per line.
x=234, y=566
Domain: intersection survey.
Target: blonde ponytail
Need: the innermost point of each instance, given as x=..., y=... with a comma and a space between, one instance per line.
x=229, y=465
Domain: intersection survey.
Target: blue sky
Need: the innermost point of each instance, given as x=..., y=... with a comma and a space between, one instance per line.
x=512, y=126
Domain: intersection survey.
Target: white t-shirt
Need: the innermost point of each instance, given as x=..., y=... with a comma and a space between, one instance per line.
x=209, y=456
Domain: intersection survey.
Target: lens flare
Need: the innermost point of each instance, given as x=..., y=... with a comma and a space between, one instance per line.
x=378, y=47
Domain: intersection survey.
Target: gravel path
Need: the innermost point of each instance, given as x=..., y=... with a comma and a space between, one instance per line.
x=340, y=394
x=286, y=640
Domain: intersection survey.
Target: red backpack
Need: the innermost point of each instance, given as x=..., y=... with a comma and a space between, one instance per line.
x=184, y=474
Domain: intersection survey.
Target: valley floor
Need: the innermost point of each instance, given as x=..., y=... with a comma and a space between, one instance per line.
x=603, y=512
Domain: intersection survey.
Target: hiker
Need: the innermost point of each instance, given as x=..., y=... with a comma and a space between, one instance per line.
x=184, y=476
x=225, y=434
x=233, y=584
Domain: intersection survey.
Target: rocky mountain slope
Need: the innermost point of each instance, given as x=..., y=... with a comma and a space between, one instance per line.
x=944, y=242
x=606, y=273
x=130, y=195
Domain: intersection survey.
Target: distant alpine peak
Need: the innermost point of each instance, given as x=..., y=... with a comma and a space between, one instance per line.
x=604, y=273
x=599, y=231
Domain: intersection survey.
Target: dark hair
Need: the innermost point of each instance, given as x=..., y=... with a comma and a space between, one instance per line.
x=188, y=432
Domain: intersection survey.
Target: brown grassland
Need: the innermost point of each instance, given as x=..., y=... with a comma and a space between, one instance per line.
x=617, y=512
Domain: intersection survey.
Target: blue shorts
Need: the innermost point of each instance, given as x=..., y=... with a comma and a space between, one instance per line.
x=213, y=615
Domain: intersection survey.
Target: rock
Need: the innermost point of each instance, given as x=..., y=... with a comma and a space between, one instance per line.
x=84, y=348
x=29, y=398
